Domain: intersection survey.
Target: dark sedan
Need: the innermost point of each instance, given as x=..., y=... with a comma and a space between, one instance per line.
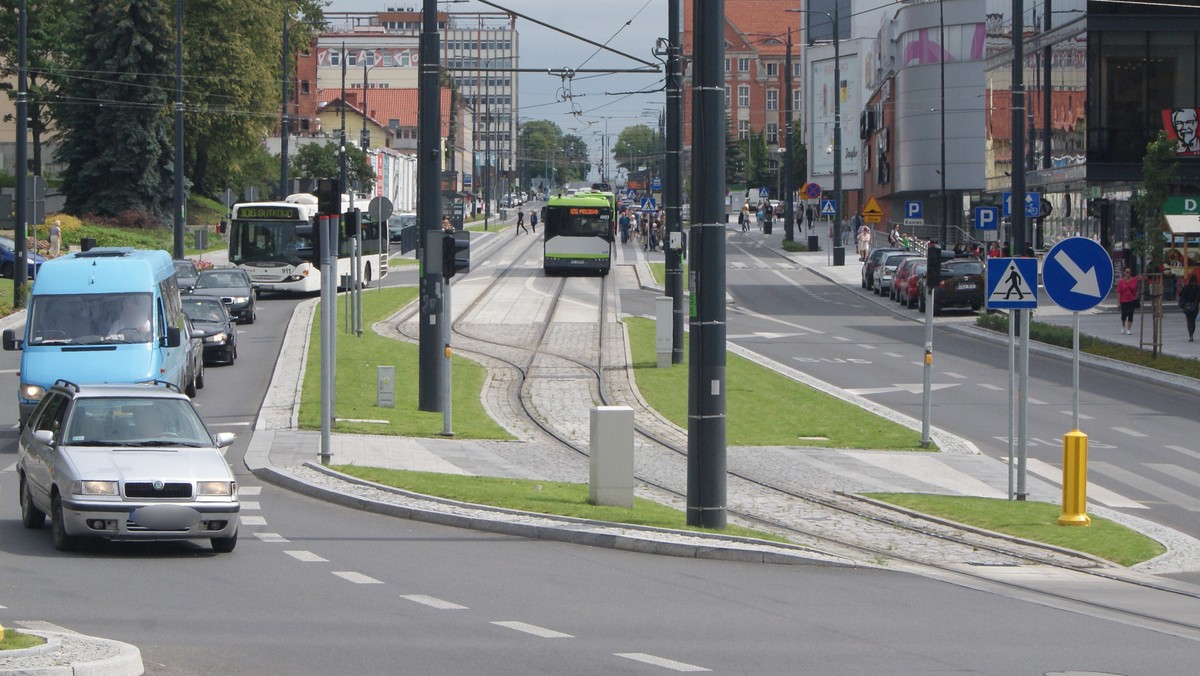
x=185, y=274
x=232, y=287
x=208, y=315
x=961, y=284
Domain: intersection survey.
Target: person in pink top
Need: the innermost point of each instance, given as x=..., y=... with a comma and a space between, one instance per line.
x=1127, y=297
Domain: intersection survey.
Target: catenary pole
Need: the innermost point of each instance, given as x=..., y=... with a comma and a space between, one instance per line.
x=672, y=183
x=178, y=168
x=283, y=115
x=789, y=214
x=706, y=483
x=20, y=271
x=1017, y=212
x=429, y=211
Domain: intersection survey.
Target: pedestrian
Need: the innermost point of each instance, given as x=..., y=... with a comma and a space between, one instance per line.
x=623, y=222
x=863, y=237
x=447, y=226
x=768, y=216
x=55, y=237
x=994, y=251
x=521, y=223
x=533, y=218
x=1127, y=297
x=742, y=219
x=1189, y=301
x=894, y=236
x=809, y=215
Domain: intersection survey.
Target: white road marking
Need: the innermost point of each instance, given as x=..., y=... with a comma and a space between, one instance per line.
x=661, y=662
x=432, y=602
x=11, y=468
x=231, y=424
x=1185, y=451
x=1035, y=402
x=1094, y=493
x=8, y=371
x=356, y=578
x=532, y=629
x=911, y=388
x=1133, y=433
x=952, y=374
x=931, y=471
x=249, y=490
x=866, y=347
x=1081, y=416
x=249, y=505
x=842, y=338
x=271, y=537
x=894, y=355
x=1176, y=472
x=989, y=386
x=252, y=521
x=1154, y=488
x=305, y=556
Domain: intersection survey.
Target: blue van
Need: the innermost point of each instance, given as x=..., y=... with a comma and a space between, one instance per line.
x=107, y=315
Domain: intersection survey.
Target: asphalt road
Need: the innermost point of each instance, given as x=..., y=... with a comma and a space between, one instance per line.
x=316, y=589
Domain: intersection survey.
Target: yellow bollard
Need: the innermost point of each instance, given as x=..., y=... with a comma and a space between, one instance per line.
x=1074, y=502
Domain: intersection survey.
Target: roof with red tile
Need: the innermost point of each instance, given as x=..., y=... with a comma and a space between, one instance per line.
x=386, y=104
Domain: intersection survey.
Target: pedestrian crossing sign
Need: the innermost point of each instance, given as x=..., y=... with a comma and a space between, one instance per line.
x=1011, y=283
x=828, y=208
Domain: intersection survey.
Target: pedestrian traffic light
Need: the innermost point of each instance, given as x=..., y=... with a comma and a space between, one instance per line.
x=328, y=200
x=933, y=265
x=456, y=254
x=352, y=221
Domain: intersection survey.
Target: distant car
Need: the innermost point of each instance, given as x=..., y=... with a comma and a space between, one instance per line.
x=961, y=284
x=232, y=286
x=881, y=278
x=8, y=259
x=908, y=289
x=874, y=258
x=210, y=318
x=185, y=274
x=125, y=462
x=397, y=223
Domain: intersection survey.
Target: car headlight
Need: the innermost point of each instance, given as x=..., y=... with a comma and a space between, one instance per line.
x=216, y=338
x=32, y=392
x=241, y=299
x=221, y=488
x=94, y=488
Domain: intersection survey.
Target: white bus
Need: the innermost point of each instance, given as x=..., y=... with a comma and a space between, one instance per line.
x=279, y=245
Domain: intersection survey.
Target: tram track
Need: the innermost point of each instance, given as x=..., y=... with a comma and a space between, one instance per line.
x=663, y=440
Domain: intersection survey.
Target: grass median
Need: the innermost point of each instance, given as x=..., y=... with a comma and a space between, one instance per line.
x=15, y=640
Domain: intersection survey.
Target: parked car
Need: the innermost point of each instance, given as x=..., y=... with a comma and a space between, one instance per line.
x=881, y=279
x=909, y=288
x=900, y=277
x=874, y=258
x=8, y=259
x=232, y=286
x=961, y=285
x=397, y=223
x=215, y=327
x=125, y=462
x=185, y=274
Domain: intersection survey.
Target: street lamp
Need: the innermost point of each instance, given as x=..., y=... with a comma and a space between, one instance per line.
x=837, y=117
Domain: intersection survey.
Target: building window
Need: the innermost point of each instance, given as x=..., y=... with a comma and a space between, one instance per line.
x=743, y=96
x=304, y=87
x=743, y=130
x=335, y=57
x=772, y=133
x=726, y=97
x=797, y=69
x=797, y=97
x=727, y=64
x=351, y=59
x=744, y=64
x=772, y=69
x=772, y=99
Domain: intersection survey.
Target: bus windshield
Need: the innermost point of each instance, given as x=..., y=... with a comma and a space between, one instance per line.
x=266, y=241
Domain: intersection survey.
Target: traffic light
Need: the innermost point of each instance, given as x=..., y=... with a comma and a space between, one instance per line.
x=329, y=202
x=352, y=220
x=933, y=265
x=456, y=254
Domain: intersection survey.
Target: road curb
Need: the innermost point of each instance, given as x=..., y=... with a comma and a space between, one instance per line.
x=56, y=657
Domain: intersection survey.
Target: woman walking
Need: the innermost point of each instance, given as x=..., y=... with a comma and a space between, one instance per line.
x=1127, y=297
x=1189, y=300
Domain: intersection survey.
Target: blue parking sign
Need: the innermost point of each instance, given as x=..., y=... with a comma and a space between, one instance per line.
x=987, y=218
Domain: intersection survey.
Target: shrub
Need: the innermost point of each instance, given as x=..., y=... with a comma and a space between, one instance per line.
x=203, y=264
x=138, y=220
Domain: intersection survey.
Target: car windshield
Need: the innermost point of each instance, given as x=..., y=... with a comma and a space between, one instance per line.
x=402, y=221
x=90, y=319
x=965, y=268
x=185, y=268
x=222, y=279
x=135, y=421
x=204, y=310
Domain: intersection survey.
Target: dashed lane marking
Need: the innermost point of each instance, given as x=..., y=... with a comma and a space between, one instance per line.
x=842, y=338
x=1133, y=433
x=249, y=490
x=1081, y=416
x=894, y=355
x=952, y=374
x=661, y=662
x=251, y=505
x=305, y=556
x=271, y=537
x=356, y=578
x=533, y=629
x=1035, y=402
x=252, y=521
x=867, y=347
x=989, y=386
x=432, y=602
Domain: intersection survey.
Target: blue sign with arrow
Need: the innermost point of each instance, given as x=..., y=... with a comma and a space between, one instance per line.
x=1077, y=273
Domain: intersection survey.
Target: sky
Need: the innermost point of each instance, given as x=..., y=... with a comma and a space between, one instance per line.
x=588, y=102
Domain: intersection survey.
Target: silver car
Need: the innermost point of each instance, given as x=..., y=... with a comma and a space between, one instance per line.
x=125, y=462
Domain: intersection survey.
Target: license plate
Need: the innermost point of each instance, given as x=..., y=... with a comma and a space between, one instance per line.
x=968, y=286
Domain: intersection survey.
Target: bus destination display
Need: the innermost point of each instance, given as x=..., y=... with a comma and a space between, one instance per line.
x=272, y=213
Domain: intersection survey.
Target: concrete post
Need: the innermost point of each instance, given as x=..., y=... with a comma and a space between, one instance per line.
x=663, y=330
x=610, y=480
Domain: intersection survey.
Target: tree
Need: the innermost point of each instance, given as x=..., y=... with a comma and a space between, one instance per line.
x=1158, y=172
x=638, y=146
x=321, y=160
x=575, y=163
x=116, y=141
x=735, y=162
x=541, y=144
x=47, y=29
x=757, y=171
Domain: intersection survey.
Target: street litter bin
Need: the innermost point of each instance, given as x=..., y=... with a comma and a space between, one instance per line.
x=766, y=227
x=812, y=243
x=839, y=255
x=87, y=243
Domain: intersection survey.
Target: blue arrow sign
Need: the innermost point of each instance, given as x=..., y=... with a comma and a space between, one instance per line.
x=987, y=218
x=1033, y=204
x=1011, y=283
x=1077, y=273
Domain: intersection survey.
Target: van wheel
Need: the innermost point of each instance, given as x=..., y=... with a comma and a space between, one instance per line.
x=6, y=270
x=31, y=516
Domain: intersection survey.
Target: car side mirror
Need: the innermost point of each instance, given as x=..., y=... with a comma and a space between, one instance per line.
x=10, y=340
x=44, y=437
x=197, y=333
x=224, y=439
x=173, y=337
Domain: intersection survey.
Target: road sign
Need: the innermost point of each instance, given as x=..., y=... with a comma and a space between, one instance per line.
x=1077, y=273
x=872, y=213
x=828, y=208
x=763, y=193
x=812, y=191
x=987, y=218
x=649, y=205
x=1033, y=204
x=656, y=184
x=914, y=213
x=1011, y=283
x=633, y=194
x=380, y=209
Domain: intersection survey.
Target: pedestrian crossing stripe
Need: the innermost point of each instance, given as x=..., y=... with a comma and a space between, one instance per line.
x=1012, y=283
